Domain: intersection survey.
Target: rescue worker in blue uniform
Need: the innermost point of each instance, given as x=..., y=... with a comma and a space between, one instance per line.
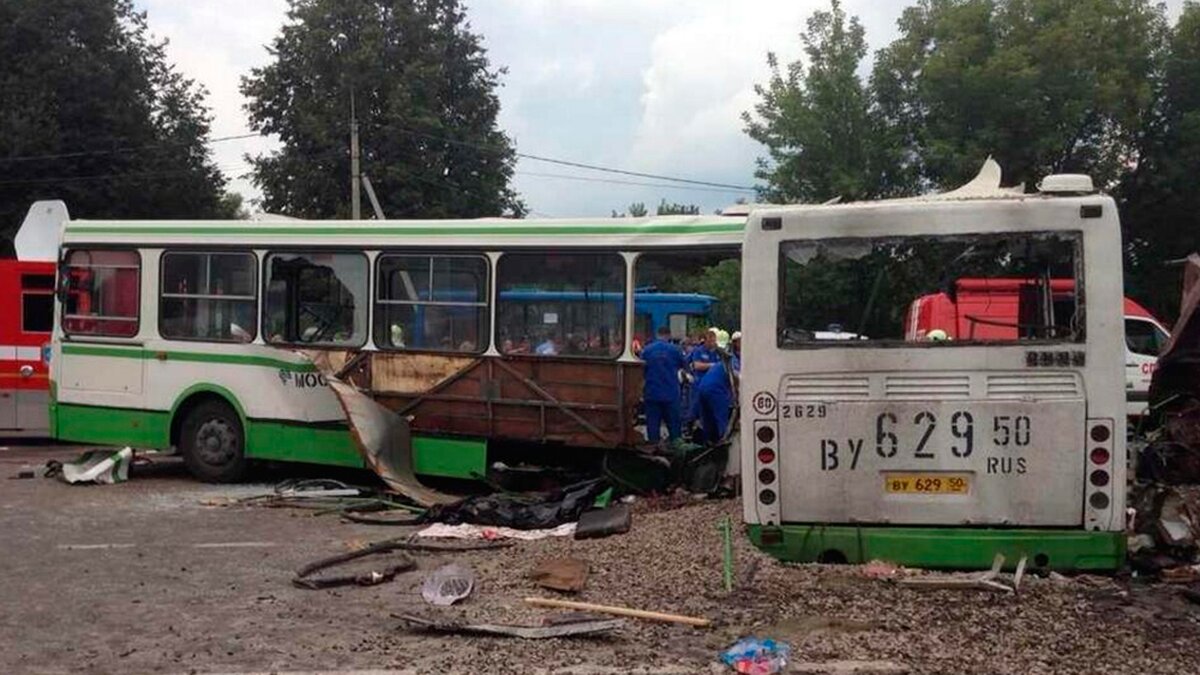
x=716, y=399
x=660, y=393
x=700, y=360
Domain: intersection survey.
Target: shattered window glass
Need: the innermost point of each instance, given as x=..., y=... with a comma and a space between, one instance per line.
x=961, y=289
x=208, y=296
x=317, y=298
x=432, y=303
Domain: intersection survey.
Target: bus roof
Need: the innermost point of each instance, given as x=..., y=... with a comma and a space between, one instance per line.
x=487, y=233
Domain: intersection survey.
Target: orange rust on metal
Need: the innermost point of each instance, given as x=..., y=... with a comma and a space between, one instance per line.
x=578, y=402
x=571, y=401
x=414, y=374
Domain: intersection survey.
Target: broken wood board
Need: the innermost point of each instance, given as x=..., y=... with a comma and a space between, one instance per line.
x=576, y=628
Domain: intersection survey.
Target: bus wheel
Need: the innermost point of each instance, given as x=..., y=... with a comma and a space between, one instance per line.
x=212, y=443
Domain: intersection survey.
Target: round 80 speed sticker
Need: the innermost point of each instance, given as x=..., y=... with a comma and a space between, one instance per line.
x=764, y=403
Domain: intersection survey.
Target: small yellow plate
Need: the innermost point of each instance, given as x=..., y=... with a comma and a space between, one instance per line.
x=927, y=483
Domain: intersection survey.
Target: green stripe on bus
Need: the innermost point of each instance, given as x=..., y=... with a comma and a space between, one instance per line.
x=449, y=230
x=192, y=357
x=265, y=440
x=944, y=547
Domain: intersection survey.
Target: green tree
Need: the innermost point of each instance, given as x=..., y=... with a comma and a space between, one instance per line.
x=673, y=209
x=723, y=281
x=1161, y=205
x=92, y=113
x=1044, y=86
x=425, y=99
x=818, y=122
x=233, y=207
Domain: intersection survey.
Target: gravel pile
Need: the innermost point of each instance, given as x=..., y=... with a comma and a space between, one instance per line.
x=671, y=562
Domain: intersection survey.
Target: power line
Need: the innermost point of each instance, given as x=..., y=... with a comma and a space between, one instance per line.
x=617, y=181
x=132, y=175
x=117, y=151
x=476, y=146
x=577, y=165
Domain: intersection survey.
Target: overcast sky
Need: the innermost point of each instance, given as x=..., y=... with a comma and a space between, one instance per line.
x=655, y=86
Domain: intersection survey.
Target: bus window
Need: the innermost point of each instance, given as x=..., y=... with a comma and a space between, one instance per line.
x=37, y=303
x=432, y=303
x=102, y=293
x=316, y=299
x=561, y=304
x=208, y=296
x=867, y=285
x=703, y=285
x=1144, y=337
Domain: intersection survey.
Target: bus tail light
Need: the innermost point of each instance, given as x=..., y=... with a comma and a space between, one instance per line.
x=1101, y=475
x=766, y=471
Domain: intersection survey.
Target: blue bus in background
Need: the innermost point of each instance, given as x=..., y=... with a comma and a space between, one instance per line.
x=651, y=307
x=538, y=313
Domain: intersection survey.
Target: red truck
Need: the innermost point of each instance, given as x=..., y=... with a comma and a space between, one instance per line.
x=26, y=320
x=994, y=309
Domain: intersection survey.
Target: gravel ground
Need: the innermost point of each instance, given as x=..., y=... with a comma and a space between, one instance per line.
x=671, y=562
x=150, y=576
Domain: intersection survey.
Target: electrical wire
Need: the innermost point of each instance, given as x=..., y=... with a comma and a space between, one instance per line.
x=616, y=181
x=117, y=151
x=578, y=165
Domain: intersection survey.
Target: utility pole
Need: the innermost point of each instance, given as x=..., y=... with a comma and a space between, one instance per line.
x=355, y=170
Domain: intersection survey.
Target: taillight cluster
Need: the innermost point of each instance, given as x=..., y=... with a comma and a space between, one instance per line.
x=766, y=438
x=1099, y=473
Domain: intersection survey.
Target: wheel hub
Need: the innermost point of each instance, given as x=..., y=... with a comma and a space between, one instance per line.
x=216, y=442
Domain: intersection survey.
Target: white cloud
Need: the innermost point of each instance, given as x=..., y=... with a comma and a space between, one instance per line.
x=215, y=43
x=651, y=85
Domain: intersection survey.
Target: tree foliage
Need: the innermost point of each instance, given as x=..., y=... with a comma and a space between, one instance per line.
x=674, y=209
x=425, y=99
x=634, y=210
x=818, y=122
x=1160, y=201
x=92, y=113
x=1044, y=86
x=1102, y=87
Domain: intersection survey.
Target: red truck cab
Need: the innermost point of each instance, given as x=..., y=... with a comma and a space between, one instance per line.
x=995, y=309
x=26, y=319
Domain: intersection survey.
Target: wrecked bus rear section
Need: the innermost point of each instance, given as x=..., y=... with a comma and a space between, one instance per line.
x=947, y=451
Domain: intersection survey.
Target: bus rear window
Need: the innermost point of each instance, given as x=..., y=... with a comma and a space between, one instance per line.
x=103, y=293
x=961, y=289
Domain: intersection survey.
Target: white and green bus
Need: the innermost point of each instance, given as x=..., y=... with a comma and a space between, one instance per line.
x=214, y=337
x=940, y=452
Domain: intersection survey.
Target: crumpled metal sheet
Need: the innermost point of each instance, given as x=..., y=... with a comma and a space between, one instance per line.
x=385, y=442
x=1178, y=370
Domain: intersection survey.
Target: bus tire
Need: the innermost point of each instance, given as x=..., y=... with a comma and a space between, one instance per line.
x=213, y=443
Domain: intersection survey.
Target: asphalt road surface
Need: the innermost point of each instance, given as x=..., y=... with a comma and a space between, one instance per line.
x=164, y=574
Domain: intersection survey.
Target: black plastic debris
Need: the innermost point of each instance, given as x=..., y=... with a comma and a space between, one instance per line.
x=616, y=519
x=533, y=511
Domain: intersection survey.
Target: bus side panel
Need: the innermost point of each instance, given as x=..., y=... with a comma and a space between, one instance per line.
x=288, y=411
